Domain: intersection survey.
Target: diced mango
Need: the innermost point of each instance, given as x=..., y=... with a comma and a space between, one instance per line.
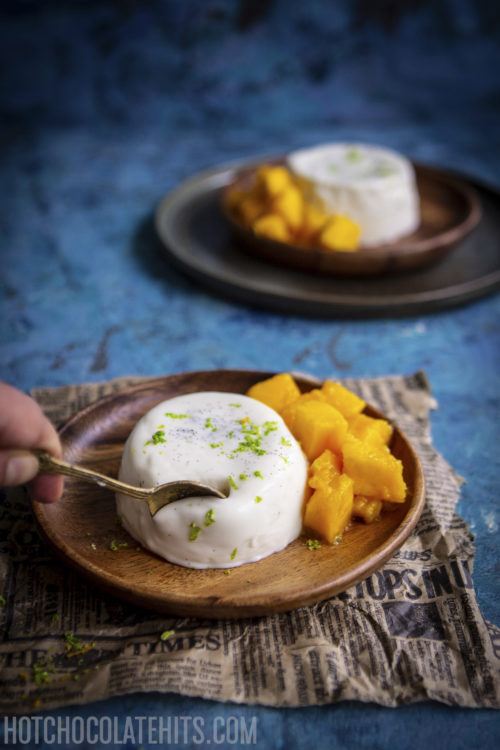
x=289, y=411
x=272, y=226
x=288, y=414
x=271, y=181
x=370, y=430
x=366, y=508
x=290, y=205
x=341, y=234
x=329, y=509
x=324, y=469
x=375, y=472
x=313, y=221
x=276, y=392
x=347, y=403
x=274, y=190
x=250, y=208
x=319, y=426
x=352, y=471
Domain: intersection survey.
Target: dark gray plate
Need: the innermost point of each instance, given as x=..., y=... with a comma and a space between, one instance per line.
x=199, y=241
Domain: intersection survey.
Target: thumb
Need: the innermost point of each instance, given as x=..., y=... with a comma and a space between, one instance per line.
x=17, y=467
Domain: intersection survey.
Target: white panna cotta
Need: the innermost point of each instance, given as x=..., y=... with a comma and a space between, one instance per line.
x=373, y=186
x=233, y=443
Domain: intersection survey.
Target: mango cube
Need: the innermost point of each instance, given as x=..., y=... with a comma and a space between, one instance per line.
x=370, y=430
x=376, y=472
x=290, y=205
x=313, y=221
x=271, y=181
x=347, y=403
x=366, y=508
x=318, y=426
x=250, y=208
x=328, y=511
x=276, y=392
x=289, y=411
x=341, y=234
x=272, y=226
x=324, y=469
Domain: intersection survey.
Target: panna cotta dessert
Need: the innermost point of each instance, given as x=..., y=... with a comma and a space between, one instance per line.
x=234, y=443
x=373, y=186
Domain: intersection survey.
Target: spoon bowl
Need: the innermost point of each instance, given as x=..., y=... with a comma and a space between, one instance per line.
x=155, y=497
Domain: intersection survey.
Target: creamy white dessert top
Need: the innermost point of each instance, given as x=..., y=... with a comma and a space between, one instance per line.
x=234, y=443
x=373, y=186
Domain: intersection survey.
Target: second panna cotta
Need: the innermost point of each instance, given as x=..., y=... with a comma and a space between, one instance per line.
x=374, y=186
x=231, y=442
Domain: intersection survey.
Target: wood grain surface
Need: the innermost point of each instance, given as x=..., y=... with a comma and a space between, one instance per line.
x=449, y=209
x=82, y=526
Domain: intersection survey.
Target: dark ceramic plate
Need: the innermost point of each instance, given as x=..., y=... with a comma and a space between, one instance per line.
x=449, y=208
x=198, y=240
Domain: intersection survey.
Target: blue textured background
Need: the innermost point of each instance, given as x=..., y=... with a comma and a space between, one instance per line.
x=106, y=106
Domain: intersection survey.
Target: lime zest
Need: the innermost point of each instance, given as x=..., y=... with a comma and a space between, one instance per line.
x=194, y=531
x=209, y=517
x=156, y=437
x=312, y=544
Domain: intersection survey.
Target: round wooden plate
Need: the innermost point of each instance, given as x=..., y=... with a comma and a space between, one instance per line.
x=449, y=209
x=82, y=526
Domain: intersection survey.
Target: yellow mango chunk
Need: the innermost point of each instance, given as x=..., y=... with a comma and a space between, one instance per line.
x=370, y=430
x=366, y=508
x=250, y=208
x=347, y=403
x=288, y=415
x=324, y=469
x=271, y=181
x=313, y=221
x=328, y=511
x=376, y=472
x=290, y=205
x=289, y=411
x=276, y=392
x=318, y=426
x=341, y=234
x=272, y=226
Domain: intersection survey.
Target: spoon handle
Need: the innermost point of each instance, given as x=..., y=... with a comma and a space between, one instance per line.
x=50, y=465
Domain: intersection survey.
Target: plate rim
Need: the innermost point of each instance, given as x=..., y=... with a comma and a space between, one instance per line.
x=293, y=298
x=253, y=604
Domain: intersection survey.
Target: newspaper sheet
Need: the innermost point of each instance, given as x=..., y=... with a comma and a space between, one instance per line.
x=410, y=631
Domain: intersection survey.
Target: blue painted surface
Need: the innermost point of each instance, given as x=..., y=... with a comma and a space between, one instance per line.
x=109, y=105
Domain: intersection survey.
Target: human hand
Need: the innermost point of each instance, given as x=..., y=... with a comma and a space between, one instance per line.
x=23, y=426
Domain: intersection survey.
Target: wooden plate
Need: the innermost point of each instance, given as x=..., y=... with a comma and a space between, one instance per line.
x=81, y=527
x=450, y=209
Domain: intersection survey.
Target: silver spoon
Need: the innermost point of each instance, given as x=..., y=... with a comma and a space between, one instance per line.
x=155, y=497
